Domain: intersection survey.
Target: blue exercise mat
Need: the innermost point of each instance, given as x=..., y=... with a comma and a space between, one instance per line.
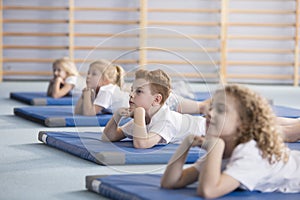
x=61, y=116
x=147, y=186
x=41, y=99
x=284, y=111
x=201, y=96
x=88, y=145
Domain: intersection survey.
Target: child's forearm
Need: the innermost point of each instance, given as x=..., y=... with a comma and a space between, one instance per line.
x=78, y=107
x=173, y=173
x=211, y=170
x=141, y=138
x=88, y=105
x=50, y=88
x=110, y=132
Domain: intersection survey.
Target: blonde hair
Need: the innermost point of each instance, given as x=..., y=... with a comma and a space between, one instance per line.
x=113, y=73
x=258, y=123
x=160, y=82
x=68, y=65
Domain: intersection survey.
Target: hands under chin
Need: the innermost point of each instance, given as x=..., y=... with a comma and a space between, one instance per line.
x=126, y=112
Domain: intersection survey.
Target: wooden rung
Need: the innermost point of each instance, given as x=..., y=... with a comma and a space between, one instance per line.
x=184, y=10
x=106, y=22
x=106, y=9
x=47, y=60
x=176, y=23
x=34, y=47
x=35, y=34
x=28, y=60
x=260, y=24
x=194, y=36
x=27, y=73
x=38, y=21
x=104, y=35
x=260, y=51
x=248, y=11
x=104, y=48
x=55, y=8
x=182, y=62
x=260, y=37
x=123, y=61
x=260, y=76
x=185, y=49
x=195, y=75
x=260, y=63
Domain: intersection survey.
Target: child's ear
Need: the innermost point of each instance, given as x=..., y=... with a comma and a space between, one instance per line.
x=157, y=99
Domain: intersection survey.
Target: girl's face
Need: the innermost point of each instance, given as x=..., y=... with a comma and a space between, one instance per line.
x=223, y=117
x=94, y=78
x=140, y=95
x=58, y=71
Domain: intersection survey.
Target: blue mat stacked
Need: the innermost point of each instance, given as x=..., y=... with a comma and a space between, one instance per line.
x=41, y=99
x=88, y=145
x=147, y=186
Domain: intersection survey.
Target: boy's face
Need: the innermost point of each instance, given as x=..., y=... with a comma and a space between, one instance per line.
x=140, y=95
x=223, y=117
x=58, y=71
x=93, y=78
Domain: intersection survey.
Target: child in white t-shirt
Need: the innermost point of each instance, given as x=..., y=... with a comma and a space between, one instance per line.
x=103, y=91
x=244, y=146
x=153, y=122
x=65, y=76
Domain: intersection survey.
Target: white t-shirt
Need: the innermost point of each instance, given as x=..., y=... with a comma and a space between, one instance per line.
x=172, y=126
x=71, y=80
x=111, y=97
x=256, y=174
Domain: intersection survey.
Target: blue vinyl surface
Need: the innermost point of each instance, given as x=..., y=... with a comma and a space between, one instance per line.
x=88, y=145
x=284, y=111
x=60, y=116
x=147, y=186
x=201, y=96
x=41, y=98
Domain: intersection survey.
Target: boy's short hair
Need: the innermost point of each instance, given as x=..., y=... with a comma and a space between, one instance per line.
x=160, y=82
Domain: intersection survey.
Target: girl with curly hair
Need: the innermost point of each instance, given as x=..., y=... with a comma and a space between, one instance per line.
x=244, y=147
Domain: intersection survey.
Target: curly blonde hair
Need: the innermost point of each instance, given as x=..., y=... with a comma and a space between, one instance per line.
x=258, y=123
x=160, y=82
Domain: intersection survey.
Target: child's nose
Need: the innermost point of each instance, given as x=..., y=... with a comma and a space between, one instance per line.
x=131, y=94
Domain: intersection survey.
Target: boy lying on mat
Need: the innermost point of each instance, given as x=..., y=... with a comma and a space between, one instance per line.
x=244, y=150
x=153, y=122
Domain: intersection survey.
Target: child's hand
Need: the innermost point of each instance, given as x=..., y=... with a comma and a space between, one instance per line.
x=197, y=141
x=125, y=112
x=210, y=142
x=59, y=80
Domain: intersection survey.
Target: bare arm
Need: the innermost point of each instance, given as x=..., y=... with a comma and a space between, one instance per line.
x=50, y=87
x=58, y=92
x=290, y=128
x=141, y=138
x=88, y=107
x=112, y=131
x=212, y=182
x=175, y=176
x=78, y=107
x=188, y=106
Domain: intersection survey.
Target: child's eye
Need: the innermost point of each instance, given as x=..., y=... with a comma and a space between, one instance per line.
x=220, y=109
x=138, y=91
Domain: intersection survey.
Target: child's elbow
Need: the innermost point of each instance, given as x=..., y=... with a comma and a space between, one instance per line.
x=207, y=193
x=166, y=185
x=142, y=144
